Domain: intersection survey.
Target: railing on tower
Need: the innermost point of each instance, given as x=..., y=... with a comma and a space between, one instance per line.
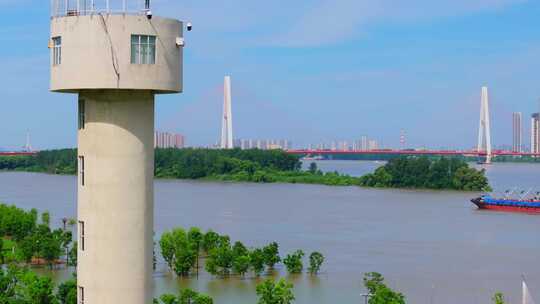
x=60, y=8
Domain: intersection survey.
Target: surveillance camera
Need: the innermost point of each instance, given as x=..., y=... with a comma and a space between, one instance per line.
x=149, y=14
x=189, y=26
x=180, y=41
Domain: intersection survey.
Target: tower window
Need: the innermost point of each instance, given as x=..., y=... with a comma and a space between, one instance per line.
x=81, y=295
x=81, y=236
x=82, y=115
x=81, y=169
x=143, y=49
x=57, y=50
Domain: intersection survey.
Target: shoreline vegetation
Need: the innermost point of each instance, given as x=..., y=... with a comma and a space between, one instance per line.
x=25, y=235
x=274, y=166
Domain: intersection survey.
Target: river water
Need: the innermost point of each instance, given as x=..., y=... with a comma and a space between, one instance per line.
x=433, y=246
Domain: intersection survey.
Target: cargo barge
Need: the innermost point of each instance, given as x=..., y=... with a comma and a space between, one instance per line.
x=508, y=204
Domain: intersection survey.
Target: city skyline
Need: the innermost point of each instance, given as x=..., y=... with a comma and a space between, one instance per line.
x=336, y=91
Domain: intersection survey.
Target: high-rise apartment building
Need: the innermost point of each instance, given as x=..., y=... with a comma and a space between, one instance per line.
x=165, y=140
x=517, y=133
x=364, y=143
x=373, y=145
x=535, y=133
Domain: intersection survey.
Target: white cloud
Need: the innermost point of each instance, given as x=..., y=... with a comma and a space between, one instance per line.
x=334, y=21
x=317, y=22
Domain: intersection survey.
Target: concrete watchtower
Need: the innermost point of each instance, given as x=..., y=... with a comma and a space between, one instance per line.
x=116, y=57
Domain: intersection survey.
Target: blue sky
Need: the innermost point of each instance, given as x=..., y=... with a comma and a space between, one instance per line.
x=309, y=71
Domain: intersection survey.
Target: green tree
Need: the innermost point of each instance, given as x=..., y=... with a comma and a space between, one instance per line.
x=224, y=241
x=27, y=247
x=67, y=238
x=2, y=255
x=34, y=289
x=179, y=251
x=498, y=298
x=239, y=249
x=67, y=292
x=313, y=168
x=50, y=246
x=241, y=261
x=271, y=255
x=316, y=259
x=8, y=281
x=256, y=259
x=184, y=252
x=241, y=264
x=220, y=260
x=372, y=281
x=46, y=218
x=293, y=262
x=188, y=296
x=195, y=237
x=210, y=241
x=168, y=299
x=380, y=293
x=470, y=179
x=73, y=254
x=50, y=250
x=167, y=245
x=270, y=292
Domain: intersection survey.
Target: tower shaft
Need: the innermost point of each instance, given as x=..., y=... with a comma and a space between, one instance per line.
x=115, y=195
x=226, y=125
x=116, y=62
x=484, y=130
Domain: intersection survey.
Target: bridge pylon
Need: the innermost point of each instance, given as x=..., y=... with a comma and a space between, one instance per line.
x=484, y=130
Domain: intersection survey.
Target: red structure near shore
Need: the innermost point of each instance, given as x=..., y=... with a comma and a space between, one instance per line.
x=17, y=153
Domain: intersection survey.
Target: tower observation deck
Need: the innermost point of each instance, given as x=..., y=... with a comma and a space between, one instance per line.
x=60, y=8
x=116, y=57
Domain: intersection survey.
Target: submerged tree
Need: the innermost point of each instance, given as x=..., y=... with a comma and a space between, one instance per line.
x=270, y=292
x=220, y=260
x=498, y=298
x=187, y=296
x=380, y=293
x=210, y=241
x=241, y=264
x=316, y=259
x=256, y=259
x=271, y=255
x=177, y=250
x=293, y=262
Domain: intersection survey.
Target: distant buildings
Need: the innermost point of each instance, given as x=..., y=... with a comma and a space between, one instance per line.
x=517, y=133
x=535, y=133
x=263, y=144
x=363, y=144
x=168, y=140
x=373, y=144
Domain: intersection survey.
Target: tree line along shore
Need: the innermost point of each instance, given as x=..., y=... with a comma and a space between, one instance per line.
x=274, y=166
